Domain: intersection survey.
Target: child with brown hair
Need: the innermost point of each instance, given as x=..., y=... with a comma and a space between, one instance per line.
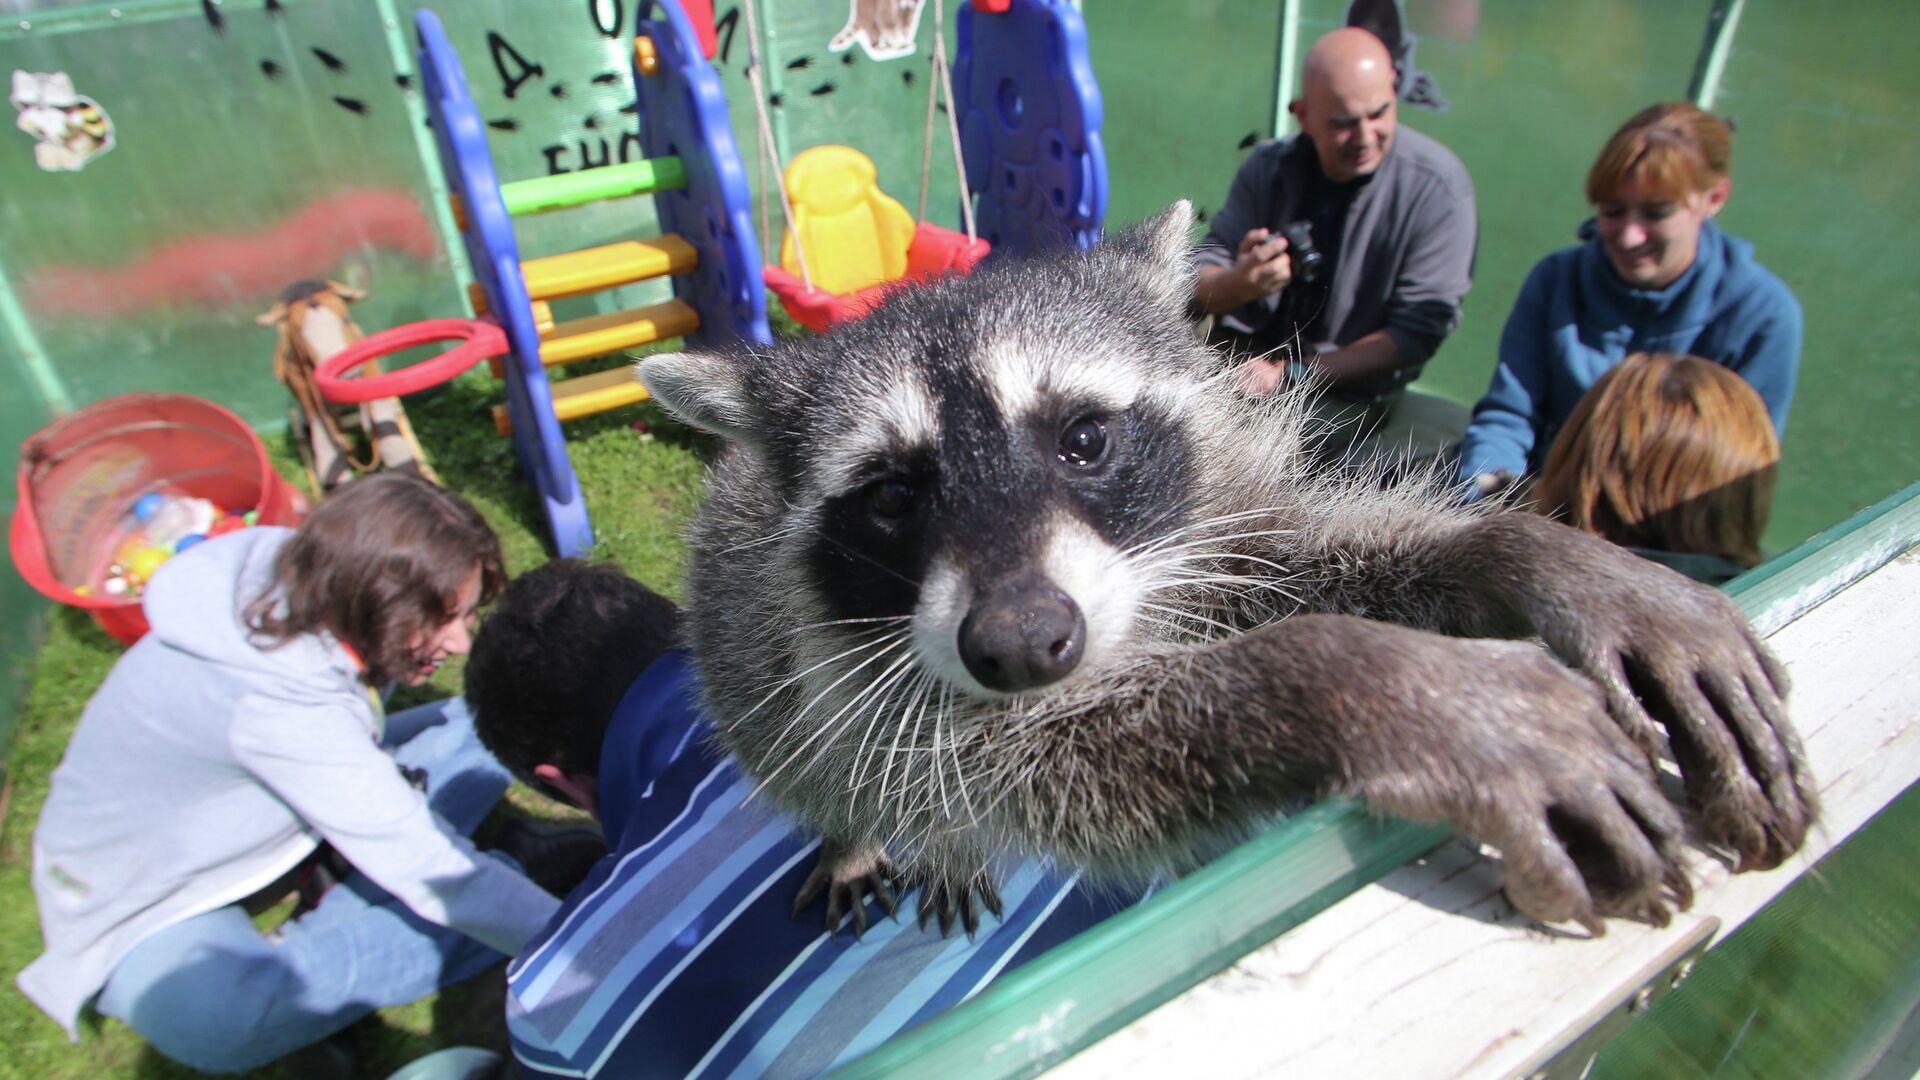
x=1673, y=456
x=243, y=731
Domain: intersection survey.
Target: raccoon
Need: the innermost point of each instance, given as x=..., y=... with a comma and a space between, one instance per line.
x=1010, y=566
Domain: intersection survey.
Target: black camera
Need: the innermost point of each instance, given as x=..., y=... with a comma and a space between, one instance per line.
x=1306, y=257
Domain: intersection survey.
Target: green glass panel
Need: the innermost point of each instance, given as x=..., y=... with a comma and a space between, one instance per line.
x=1826, y=163
x=1819, y=983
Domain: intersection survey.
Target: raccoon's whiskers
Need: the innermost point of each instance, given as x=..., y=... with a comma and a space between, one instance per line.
x=1172, y=537
x=894, y=642
x=915, y=693
x=772, y=537
x=884, y=704
x=878, y=692
x=1183, y=615
x=824, y=624
x=865, y=558
x=1211, y=539
x=878, y=639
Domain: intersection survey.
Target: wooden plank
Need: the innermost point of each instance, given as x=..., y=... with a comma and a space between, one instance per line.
x=1430, y=973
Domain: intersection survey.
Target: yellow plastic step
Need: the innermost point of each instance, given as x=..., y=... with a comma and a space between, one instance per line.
x=542, y=311
x=598, y=335
x=584, y=396
x=592, y=269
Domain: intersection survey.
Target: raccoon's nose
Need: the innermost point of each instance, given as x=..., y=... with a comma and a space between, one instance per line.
x=1022, y=634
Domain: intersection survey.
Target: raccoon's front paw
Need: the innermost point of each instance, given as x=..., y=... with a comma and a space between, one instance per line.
x=849, y=875
x=1669, y=651
x=1520, y=753
x=959, y=900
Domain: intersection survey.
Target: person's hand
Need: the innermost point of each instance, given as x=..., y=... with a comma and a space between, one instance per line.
x=1260, y=375
x=1262, y=262
x=1492, y=483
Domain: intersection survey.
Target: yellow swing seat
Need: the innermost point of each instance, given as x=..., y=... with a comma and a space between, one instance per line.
x=859, y=241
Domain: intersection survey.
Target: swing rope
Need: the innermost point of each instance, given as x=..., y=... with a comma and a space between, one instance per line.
x=768, y=147
x=938, y=76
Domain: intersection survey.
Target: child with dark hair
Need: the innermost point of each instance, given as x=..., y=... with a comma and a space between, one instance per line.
x=238, y=735
x=680, y=954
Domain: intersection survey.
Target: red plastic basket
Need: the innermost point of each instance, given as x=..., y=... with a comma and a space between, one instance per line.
x=80, y=475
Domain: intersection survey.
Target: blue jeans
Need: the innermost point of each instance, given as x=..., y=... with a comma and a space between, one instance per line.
x=213, y=993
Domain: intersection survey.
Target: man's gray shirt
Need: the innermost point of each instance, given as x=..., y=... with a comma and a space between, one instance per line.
x=1405, y=258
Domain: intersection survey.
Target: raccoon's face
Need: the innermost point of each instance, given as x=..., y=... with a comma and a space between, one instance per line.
x=996, y=486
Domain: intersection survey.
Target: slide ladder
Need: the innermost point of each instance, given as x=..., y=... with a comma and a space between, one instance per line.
x=707, y=248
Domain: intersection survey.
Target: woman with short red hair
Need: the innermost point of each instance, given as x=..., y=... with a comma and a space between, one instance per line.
x=1655, y=274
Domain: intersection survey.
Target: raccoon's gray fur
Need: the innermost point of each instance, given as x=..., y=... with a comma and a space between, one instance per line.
x=1009, y=565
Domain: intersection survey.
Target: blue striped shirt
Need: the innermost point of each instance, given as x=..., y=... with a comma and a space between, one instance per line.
x=677, y=955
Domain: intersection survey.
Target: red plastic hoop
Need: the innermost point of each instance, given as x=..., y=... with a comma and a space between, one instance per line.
x=479, y=339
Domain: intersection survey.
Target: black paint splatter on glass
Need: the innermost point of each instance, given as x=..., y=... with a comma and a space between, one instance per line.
x=776, y=100
x=558, y=90
x=801, y=64
x=847, y=58
x=723, y=28
x=590, y=123
x=273, y=7
x=352, y=105
x=907, y=76
x=270, y=69
x=607, y=78
x=823, y=89
x=1199, y=215
x=333, y=63
x=403, y=81
x=505, y=124
x=214, y=18
x=1251, y=138
x=631, y=108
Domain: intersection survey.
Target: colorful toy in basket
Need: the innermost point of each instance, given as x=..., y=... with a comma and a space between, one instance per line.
x=111, y=491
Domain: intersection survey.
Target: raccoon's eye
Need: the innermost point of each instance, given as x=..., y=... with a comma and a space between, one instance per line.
x=1084, y=442
x=892, y=499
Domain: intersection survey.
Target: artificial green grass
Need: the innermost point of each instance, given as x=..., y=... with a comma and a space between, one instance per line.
x=640, y=491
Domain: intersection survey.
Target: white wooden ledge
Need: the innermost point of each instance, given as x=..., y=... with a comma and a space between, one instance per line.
x=1429, y=973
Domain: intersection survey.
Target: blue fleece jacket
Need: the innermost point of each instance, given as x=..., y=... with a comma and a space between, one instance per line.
x=1575, y=319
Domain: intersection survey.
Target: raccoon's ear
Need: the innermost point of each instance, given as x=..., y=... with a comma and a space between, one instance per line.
x=1163, y=246
x=701, y=389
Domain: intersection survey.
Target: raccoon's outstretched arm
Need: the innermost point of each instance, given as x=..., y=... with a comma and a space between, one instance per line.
x=1662, y=647
x=1495, y=738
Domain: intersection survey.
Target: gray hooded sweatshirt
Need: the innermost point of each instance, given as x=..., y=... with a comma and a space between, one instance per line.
x=206, y=767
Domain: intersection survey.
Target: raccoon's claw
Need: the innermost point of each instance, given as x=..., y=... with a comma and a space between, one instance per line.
x=959, y=902
x=849, y=876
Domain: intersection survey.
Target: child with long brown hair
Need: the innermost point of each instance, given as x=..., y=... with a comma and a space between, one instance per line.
x=239, y=734
x=1673, y=456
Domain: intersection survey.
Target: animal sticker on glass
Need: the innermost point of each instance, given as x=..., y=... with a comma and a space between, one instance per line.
x=69, y=129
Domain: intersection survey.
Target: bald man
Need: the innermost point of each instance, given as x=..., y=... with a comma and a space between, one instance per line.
x=1390, y=214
